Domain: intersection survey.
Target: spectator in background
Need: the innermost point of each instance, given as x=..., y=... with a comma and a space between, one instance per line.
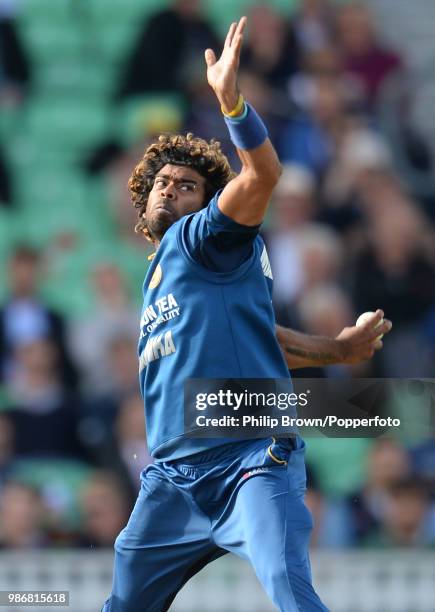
x=294, y=208
x=113, y=316
x=396, y=268
x=102, y=409
x=24, y=317
x=322, y=255
x=105, y=510
x=325, y=309
x=313, y=24
x=204, y=116
x=294, y=199
x=311, y=138
x=123, y=366
x=388, y=463
x=316, y=253
x=406, y=519
x=14, y=83
x=21, y=518
x=131, y=438
x=112, y=159
x=7, y=436
x=423, y=452
x=44, y=412
x=122, y=445
x=5, y=181
x=14, y=64
x=269, y=59
x=324, y=62
x=361, y=151
x=331, y=528
x=271, y=52
x=363, y=55
x=303, y=253
x=168, y=51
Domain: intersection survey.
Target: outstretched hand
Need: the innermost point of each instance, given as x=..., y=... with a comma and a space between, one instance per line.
x=358, y=343
x=222, y=73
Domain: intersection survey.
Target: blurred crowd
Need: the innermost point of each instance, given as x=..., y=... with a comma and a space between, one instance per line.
x=346, y=234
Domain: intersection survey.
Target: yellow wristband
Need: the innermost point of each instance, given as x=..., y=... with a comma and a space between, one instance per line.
x=237, y=109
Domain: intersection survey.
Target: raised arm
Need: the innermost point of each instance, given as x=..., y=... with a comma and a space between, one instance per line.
x=353, y=345
x=246, y=197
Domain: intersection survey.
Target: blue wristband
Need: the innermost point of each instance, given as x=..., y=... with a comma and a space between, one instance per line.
x=247, y=131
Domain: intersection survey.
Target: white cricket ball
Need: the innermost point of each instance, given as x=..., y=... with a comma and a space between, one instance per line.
x=368, y=315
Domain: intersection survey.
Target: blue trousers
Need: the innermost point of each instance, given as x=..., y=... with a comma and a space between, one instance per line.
x=246, y=498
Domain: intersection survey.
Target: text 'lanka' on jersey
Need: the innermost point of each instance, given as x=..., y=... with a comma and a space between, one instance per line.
x=199, y=323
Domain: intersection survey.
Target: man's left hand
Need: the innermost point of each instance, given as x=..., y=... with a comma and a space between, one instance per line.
x=222, y=73
x=358, y=343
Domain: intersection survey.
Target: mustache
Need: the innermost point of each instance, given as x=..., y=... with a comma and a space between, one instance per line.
x=166, y=203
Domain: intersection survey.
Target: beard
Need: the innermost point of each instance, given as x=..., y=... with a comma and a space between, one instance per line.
x=160, y=221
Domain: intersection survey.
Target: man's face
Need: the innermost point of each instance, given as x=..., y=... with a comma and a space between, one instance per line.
x=177, y=191
x=23, y=276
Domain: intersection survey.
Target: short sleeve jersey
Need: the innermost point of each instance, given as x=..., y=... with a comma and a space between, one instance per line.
x=207, y=313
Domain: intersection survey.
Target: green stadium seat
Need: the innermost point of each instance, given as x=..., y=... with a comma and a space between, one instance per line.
x=76, y=78
x=149, y=114
x=57, y=479
x=133, y=259
x=67, y=286
x=116, y=40
x=55, y=11
x=5, y=222
x=5, y=400
x=59, y=206
x=124, y=10
x=66, y=123
x=7, y=238
x=78, y=48
x=340, y=467
x=223, y=12
x=10, y=120
x=48, y=42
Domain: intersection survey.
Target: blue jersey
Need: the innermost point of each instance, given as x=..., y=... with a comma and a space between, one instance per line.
x=201, y=322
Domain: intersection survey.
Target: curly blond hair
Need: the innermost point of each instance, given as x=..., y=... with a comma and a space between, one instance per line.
x=204, y=157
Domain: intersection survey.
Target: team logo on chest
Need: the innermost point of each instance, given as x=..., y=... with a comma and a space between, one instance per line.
x=163, y=309
x=156, y=277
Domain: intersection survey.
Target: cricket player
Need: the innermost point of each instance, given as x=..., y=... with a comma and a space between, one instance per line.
x=207, y=314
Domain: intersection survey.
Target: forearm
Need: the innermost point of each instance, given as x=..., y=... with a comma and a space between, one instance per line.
x=262, y=163
x=305, y=351
x=246, y=197
x=255, y=150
